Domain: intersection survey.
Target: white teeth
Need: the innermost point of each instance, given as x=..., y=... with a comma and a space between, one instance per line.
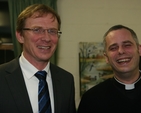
x=123, y=60
x=43, y=47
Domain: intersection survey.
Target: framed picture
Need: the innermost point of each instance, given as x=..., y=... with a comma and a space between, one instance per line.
x=92, y=65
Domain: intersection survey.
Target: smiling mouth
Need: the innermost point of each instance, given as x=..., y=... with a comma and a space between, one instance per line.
x=123, y=60
x=43, y=47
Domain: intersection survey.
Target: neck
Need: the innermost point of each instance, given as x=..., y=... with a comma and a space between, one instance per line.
x=127, y=78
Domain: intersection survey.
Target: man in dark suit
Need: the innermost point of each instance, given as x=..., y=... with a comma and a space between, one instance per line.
x=38, y=32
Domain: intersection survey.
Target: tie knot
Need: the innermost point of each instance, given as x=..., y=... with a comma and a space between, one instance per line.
x=41, y=75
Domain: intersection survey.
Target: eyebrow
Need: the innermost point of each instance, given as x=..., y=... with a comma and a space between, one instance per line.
x=127, y=42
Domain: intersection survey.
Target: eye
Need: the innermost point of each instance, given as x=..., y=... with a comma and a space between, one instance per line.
x=113, y=48
x=127, y=45
x=52, y=31
x=37, y=30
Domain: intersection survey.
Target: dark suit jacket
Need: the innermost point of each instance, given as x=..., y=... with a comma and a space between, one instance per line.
x=13, y=93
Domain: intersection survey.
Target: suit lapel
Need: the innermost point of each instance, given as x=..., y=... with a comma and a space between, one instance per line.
x=55, y=82
x=56, y=85
x=17, y=86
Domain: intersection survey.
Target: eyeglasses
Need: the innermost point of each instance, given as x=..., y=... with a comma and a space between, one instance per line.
x=41, y=31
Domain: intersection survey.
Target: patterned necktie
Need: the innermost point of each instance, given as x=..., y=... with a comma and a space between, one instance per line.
x=43, y=93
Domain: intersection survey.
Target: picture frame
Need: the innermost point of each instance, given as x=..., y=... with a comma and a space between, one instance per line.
x=93, y=68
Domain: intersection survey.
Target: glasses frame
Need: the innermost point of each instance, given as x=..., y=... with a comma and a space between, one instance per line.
x=41, y=31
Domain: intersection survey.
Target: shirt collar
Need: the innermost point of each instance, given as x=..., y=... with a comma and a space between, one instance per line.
x=28, y=69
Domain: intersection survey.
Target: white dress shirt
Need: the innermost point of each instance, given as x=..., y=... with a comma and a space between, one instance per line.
x=31, y=82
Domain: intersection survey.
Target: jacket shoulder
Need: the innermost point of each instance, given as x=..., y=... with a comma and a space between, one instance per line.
x=9, y=66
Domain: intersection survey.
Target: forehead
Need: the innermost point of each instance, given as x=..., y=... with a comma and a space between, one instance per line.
x=37, y=15
x=119, y=36
x=43, y=19
x=40, y=14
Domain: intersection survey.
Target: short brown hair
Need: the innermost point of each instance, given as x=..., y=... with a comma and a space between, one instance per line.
x=41, y=9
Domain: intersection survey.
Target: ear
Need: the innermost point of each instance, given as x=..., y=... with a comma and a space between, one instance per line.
x=106, y=57
x=19, y=37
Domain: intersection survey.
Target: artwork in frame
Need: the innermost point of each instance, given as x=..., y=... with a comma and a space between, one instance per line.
x=92, y=65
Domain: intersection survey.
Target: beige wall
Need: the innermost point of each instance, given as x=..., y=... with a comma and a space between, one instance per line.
x=87, y=21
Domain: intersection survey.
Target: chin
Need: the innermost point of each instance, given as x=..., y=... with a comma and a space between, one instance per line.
x=125, y=70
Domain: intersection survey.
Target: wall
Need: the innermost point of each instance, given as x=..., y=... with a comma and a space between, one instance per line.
x=87, y=21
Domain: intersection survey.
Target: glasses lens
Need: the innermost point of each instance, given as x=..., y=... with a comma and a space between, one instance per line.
x=38, y=30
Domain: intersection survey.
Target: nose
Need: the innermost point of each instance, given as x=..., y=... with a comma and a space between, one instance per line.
x=46, y=36
x=121, y=50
